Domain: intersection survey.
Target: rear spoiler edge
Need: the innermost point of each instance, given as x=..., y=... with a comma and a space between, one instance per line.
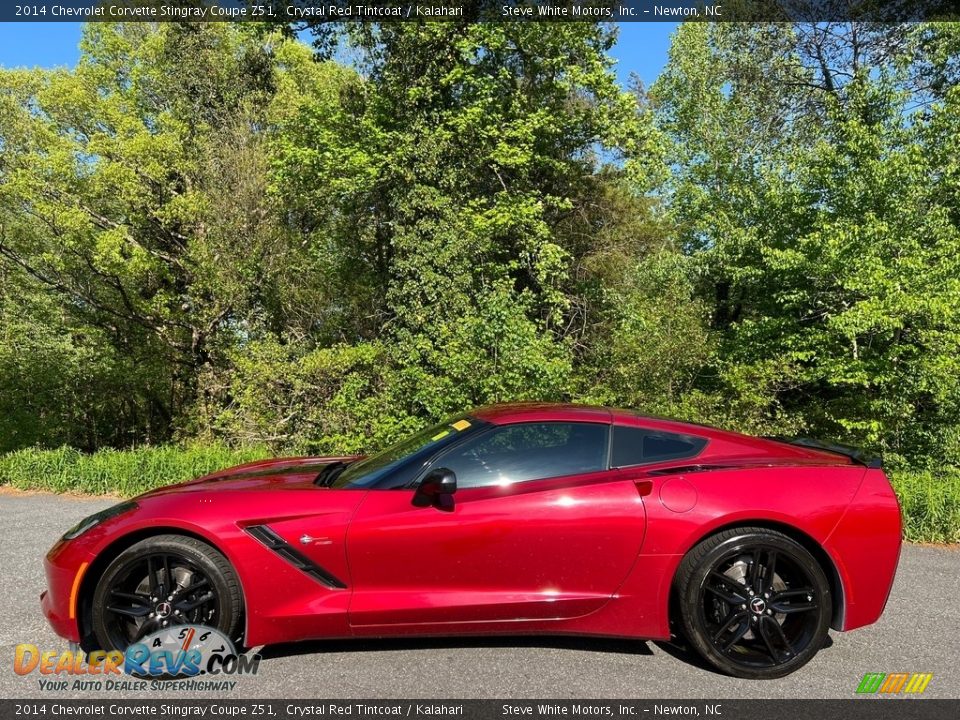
x=858, y=456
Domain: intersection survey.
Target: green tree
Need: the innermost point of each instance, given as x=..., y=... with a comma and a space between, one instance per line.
x=62, y=382
x=459, y=171
x=135, y=191
x=821, y=210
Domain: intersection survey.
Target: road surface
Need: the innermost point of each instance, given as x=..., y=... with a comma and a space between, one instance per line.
x=918, y=633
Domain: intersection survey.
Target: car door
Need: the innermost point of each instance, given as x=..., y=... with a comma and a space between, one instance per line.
x=538, y=529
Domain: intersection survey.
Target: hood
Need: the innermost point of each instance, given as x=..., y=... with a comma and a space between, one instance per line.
x=277, y=474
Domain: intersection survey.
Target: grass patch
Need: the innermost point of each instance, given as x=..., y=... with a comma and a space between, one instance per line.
x=931, y=504
x=122, y=472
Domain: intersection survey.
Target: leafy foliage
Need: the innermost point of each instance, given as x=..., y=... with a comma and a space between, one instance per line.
x=821, y=208
x=133, y=198
x=207, y=233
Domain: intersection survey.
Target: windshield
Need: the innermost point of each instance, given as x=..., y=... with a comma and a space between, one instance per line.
x=409, y=453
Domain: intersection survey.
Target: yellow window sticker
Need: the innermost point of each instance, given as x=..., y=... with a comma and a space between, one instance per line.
x=460, y=425
x=441, y=434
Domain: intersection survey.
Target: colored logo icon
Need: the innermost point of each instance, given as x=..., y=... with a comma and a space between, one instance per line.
x=894, y=683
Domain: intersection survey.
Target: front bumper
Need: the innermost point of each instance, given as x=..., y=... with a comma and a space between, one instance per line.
x=64, y=568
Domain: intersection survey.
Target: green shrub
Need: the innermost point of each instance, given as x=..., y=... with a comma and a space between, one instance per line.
x=122, y=472
x=930, y=503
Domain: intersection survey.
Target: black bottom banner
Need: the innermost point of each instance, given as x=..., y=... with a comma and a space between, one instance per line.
x=875, y=708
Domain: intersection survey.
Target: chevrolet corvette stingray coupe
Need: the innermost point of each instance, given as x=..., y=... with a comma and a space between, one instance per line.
x=510, y=519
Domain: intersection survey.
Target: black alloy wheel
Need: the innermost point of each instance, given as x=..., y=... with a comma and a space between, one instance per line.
x=163, y=581
x=754, y=602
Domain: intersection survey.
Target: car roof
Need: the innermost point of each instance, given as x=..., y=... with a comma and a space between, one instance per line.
x=506, y=413
x=723, y=443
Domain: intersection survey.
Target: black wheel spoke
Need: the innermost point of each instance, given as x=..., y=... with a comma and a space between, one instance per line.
x=778, y=629
x=770, y=571
x=728, y=623
x=168, y=583
x=185, y=606
x=152, y=577
x=133, y=612
x=755, y=570
x=193, y=587
x=795, y=600
x=135, y=598
x=793, y=592
x=725, y=589
x=794, y=608
x=737, y=636
x=765, y=636
x=770, y=630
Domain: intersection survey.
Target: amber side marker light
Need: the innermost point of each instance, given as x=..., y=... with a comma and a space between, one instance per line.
x=76, y=590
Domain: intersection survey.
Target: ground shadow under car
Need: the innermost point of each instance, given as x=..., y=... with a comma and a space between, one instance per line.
x=678, y=649
x=682, y=651
x=585, y=644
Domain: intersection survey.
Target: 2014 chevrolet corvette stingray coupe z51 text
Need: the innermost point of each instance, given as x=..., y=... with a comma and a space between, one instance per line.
x=511, y=519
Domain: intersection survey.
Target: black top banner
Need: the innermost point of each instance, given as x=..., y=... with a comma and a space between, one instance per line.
x=314, y=11
x=185, y=708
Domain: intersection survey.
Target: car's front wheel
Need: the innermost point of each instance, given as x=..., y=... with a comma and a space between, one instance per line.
x=162, y=581
x=754, y=602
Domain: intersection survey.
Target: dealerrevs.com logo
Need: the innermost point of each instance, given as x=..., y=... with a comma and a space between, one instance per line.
x=894, y=683
x=177, y=654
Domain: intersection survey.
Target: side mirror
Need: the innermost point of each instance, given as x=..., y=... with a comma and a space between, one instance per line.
x=438, y=482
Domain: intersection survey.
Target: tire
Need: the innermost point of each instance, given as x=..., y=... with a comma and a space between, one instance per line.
x=133, y=596
x=753, y=602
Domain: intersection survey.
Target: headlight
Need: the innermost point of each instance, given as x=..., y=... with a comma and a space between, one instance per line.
x=93, y=520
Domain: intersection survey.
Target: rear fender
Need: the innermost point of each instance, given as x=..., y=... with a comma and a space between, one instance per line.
x=809, y=501
x=866, y=546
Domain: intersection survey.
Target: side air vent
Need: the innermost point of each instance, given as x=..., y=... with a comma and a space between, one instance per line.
x=269, y=539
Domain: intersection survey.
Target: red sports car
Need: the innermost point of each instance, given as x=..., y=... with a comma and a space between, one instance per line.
x=512, y=519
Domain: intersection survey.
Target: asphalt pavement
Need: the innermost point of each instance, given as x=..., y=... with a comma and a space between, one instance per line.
x=918, y=633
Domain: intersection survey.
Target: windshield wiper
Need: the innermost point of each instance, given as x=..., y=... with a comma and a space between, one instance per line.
x=330, y=473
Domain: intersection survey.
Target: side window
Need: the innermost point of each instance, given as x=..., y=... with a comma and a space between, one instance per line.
x=636, y=446
x=528, y=451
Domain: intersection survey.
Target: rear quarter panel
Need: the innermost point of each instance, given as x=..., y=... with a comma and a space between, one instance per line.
x=810, y=499
x=865, y=545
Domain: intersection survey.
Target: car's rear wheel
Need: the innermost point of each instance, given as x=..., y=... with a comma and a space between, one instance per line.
x=754, y=602
x=162, y=581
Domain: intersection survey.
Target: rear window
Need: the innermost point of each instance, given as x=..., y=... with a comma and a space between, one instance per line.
x=637, y=446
